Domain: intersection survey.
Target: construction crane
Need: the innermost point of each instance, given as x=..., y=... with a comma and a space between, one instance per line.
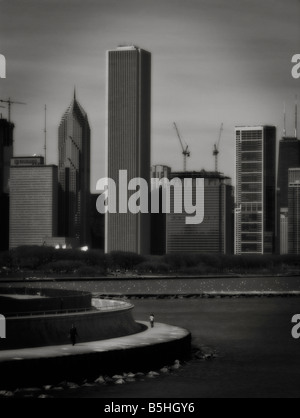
x=185, y=151
x=216, y=150
x=9, y=103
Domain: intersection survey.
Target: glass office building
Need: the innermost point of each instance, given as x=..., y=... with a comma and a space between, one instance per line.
x=294, y=210
x=255, y=214
x=215, y=234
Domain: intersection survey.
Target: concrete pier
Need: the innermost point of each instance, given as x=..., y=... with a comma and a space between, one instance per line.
x=150, y=349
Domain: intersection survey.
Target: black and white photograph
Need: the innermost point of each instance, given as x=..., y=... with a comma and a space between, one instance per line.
x=149, y=202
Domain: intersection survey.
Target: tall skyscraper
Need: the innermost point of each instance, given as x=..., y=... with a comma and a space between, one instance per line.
x=128, y=141
x=33, y=201
x=294, y=210
x=74, y=174
x=289, y=157
x=215, y=234
x=255, y=218
x=6, y=153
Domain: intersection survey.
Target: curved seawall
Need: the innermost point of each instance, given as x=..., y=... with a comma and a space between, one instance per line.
x=40, y=330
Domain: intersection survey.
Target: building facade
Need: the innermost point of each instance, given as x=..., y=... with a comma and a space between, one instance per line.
x=74, y=174
x=160, y=172
x=294, y=211
x=215, y=234
x=289, y=157
x=255, y=215
x=33, y=202
x=6, y=153
x=158, y=220
x=128, y=141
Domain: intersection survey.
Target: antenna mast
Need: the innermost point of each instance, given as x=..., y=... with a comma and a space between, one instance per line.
x=284, y=120
x=45, y=133
x=296, y=117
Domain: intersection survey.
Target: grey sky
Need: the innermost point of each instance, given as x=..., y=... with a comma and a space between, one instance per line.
x=213, y=61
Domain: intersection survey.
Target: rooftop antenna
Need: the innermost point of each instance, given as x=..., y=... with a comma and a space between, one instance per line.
x=284, y=120
x=45, y=133
x=296, y=117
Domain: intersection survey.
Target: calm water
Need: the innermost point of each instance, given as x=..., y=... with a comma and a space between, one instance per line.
x=258, y=357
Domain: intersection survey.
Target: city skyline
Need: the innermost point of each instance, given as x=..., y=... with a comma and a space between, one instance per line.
x=201, y=63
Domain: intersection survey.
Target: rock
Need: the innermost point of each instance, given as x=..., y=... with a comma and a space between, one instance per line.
x=100, y=380
x=152, y=375
x=45, y=396
x=140, y=375
x=6, y=394
x=120, y=382
x=164, y=370
x=130, y=380
x=117, y=377
x=58, y=389
x=108, y=379
x=63, y=384
x=88, y=385
x=131, y=375
x=176, y=365
x=72, y=386
x=29, y=390
x=47, y=388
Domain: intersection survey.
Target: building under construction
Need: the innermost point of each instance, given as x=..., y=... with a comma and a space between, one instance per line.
x=215, y=235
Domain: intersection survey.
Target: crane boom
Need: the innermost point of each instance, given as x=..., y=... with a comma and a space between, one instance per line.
x=216, y=150
x=185, y=151
x=179, y=136
x=220, y=135
x=10, y=102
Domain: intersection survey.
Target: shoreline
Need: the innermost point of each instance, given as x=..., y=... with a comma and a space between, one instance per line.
x=34, y=279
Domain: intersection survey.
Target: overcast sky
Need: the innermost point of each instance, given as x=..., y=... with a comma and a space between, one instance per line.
x=214, y=61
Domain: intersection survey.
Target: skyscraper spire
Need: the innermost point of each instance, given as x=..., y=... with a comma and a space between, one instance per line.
x=284, y=120
x=296, y=116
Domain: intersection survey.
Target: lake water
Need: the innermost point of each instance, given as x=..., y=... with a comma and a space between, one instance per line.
x=257, y=355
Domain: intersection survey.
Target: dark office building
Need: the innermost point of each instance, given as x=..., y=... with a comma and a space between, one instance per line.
x=294, y=210
x=6, y=153
x=158, y=220
x=74, y=174
x=289, y=157
x=97, y=225
x=215, y=234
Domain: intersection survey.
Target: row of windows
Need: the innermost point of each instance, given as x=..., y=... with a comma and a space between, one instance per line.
x=251, y=178
x=253, y=227
x=252, y=156
x=251, y=146
x=251, y=197
x=251, y=167
x=251, y=237
x=252, y=207
x=251, y=217
x=251, y=187
x=249, y=135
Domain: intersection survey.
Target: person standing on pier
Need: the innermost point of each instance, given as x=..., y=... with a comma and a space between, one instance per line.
x=73, y=335
x=152, y=319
